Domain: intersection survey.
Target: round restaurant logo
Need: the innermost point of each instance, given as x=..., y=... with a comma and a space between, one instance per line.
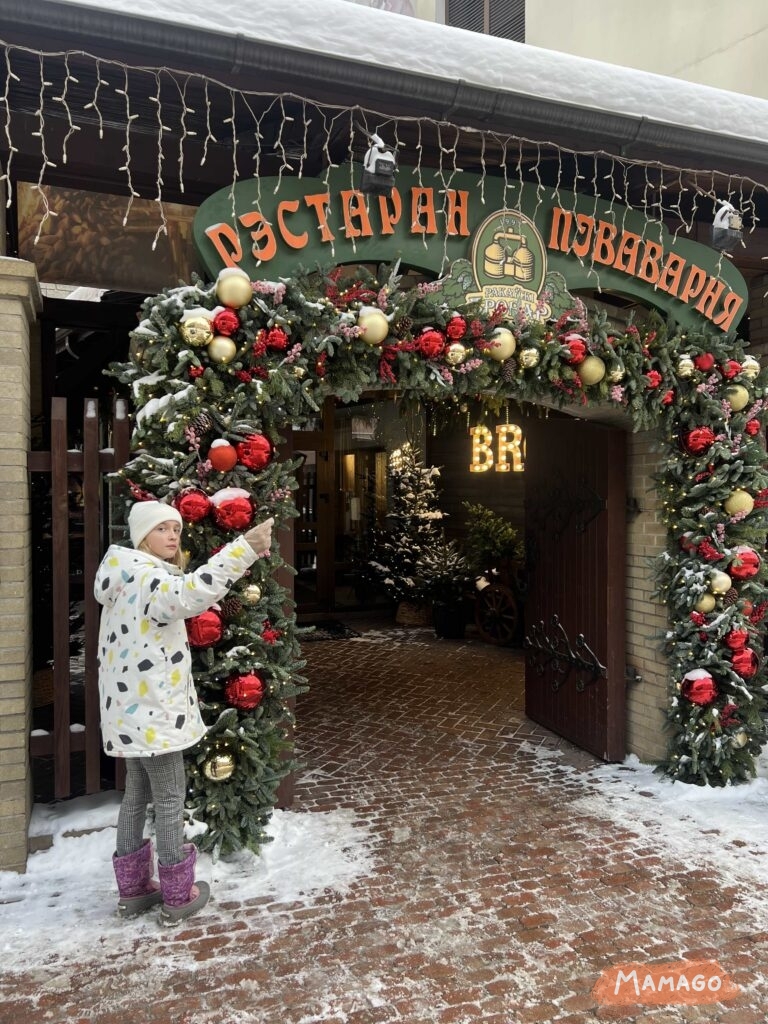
x=509, y=262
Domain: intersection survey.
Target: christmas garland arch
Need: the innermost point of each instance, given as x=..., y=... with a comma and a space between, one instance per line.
x=217, y=371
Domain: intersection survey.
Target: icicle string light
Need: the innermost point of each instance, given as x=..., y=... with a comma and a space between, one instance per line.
x=9, y=77
x=248, y=113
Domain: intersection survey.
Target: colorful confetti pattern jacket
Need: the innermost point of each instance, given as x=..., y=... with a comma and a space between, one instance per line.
x=148, y=700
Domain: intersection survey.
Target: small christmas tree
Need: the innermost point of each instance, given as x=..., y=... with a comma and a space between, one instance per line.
x=398, y=561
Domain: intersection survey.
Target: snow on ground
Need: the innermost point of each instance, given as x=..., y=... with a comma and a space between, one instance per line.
x=63, y=908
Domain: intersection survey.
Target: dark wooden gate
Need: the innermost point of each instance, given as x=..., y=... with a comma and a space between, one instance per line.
x=575, y=484
x=72, y=542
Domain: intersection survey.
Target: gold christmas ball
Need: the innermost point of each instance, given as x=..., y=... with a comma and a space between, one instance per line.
x=591, y=370
x=705, y=604
x=502, y=344
x=750, y=367
x=196, y=331
x=685, y=367
x=740, y=737
x=221, y=349
x=529, y=358
x=252, y=593
x=455, y=353
x=374, y=325
x=738, y=397
x=219, y=768
x=739, y=501
x=299, y=371
x=233, y=287
x=720, y=582
x=617, y=373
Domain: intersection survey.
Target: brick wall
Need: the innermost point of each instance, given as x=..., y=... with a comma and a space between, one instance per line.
x=646, y=616
x=19, y=304
x=758, y=317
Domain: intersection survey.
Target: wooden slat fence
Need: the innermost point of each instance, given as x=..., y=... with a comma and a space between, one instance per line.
x=90, y=467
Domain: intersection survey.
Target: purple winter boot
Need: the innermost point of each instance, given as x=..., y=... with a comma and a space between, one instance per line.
x=134, y=881
x=182, y=896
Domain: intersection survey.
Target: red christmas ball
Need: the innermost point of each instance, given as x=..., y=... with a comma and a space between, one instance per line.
x=746, y=564
x=234, y=514
x=699, y=687
x=745, y=662
x=226, y=322
x=704, y=362
x=245, y=692
x=752, y=427
x=431, y=343
x=578, y=350
x=699, y=440
x=206, y=629
x=730, y=368
x=255, y=451
x=456, y=328
x=193, y=506
x=737, y=639
x=222, y=456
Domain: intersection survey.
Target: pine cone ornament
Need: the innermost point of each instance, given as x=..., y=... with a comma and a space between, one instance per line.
x=230, y=608
x=202, y=423
x=731, y=597
x=402, y=327
x=509, y=371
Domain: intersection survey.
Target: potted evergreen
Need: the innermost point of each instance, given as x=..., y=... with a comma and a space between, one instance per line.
x=492, y=543
x=414, y=528
x=446, y=578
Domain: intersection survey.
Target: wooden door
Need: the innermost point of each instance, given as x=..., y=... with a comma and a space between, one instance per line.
x=575, y=482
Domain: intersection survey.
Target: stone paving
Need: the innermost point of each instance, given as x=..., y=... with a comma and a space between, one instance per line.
x=491, y=901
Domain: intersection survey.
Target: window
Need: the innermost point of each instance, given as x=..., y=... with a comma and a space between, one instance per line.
x=503, y=18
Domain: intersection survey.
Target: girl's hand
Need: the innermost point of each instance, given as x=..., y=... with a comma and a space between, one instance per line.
x=260, y=537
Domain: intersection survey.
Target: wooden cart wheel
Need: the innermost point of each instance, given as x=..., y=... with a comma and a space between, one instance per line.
x=496, y=614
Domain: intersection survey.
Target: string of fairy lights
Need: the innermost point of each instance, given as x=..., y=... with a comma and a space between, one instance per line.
x=671, y=197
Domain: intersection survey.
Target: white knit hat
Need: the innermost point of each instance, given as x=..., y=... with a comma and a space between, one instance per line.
x=146, y=515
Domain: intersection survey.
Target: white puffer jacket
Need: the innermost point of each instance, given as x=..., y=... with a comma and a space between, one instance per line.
x=148, y=700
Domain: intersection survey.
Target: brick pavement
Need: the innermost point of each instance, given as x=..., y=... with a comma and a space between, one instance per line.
x=490, y=901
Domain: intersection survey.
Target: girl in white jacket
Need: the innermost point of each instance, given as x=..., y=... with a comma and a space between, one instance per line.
x=149, y=707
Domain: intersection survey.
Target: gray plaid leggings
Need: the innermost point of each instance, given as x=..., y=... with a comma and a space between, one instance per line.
x=159, y=780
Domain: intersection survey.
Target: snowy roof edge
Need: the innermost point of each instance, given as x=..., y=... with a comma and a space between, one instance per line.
x=382, y=40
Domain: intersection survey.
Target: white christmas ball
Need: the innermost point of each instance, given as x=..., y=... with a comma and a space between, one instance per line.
x=233, y=287
x=750, y=367
x=374, y=325
x=591, y=370
x=738, y=397
x=502, y=344
x=222, y=349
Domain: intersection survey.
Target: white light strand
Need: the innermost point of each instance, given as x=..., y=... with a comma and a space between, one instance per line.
x=129, y=119
x=209, y=136
x=156, y=99
x=231, y=121
x=482, y=170
x=45, y=163
x=185, y=132
x=71, y=126
x=9, y=77
x=94, y=103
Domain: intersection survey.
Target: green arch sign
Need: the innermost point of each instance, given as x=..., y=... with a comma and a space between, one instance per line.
x=516, y=241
